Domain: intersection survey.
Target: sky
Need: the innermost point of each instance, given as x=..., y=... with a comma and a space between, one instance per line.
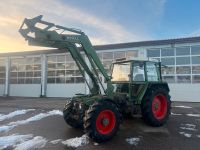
x=104, y=21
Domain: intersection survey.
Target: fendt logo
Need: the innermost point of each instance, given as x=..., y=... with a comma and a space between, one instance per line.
x=69, y=38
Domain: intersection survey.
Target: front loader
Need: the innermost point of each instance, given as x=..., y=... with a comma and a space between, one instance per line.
x=135, y=84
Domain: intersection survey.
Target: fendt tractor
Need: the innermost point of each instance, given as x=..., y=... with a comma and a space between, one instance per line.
x=135, y=84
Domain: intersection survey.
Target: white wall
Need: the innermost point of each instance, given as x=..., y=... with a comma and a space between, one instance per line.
x=65, y=90
x=2, y=89
x=178, y=92
x=185, y=92
x=25, y=90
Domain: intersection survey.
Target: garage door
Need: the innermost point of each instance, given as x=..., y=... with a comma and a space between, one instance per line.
x=65, y=90
x=185, y=92
x=25, y=90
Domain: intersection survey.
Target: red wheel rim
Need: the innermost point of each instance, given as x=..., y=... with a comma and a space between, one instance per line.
x=159, y=106
x=105, y=122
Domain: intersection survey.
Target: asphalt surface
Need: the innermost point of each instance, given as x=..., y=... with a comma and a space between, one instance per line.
x=175, y=135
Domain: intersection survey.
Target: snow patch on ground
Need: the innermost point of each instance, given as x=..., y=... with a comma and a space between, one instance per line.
x=22, y=142
x=193, y=115
x=77, y=141
x=40, y=116
x=182, y=106
x=188, y=135
x=133, y=140
x=15, y=113
x=96, y=144
x=5, y=128
x=174, y=114
x=11, y=140
x=36, y=142
x=198, y=136
x=56, y=141
x=37, y=117
x=187, y=128
x=190, y=127
x=55, y=112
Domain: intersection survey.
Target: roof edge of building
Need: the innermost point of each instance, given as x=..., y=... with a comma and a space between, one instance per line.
x=112, y=46
x=149, y=43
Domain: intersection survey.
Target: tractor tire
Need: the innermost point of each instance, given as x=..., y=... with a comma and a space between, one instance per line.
x=102, y=120
x=67, y=114
x=156, y=107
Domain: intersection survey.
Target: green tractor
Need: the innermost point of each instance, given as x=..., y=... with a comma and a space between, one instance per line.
x=135, y=84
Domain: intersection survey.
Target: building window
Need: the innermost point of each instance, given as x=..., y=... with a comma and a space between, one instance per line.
x=62, y=69
x=131, y=54
x=195, y=69
x=158, y=59
x=168, y=61
x=118, y=55
x=79, y=80
x=196, y=79
x=182, y=51
x=167, y=52
x=183, y=70
x=169, y=79
x=153, y=53
x=184, y=79
x=61, y=58
x=195, y=50
x=2, y=71
x=182, y=60
x=26, y=70
x=107, y=55
x=195, y=59
x=168, y=70
x=68, y=57
x=70, y=80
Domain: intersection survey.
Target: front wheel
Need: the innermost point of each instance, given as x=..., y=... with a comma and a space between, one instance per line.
x=156, y=107
x=68, y=116
x=102, y=121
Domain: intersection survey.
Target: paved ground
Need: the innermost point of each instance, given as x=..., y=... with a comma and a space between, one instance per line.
x=181, y=133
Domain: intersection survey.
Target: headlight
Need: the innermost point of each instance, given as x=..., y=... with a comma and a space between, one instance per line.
x=80, y=105
x=68, y=101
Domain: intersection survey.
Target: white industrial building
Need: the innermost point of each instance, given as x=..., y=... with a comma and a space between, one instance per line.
x=53, y=73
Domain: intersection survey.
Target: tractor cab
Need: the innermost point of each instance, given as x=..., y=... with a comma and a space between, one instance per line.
x=130, y=77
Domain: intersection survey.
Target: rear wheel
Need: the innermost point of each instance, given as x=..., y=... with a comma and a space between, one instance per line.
x=102, y=121
x=156, y=107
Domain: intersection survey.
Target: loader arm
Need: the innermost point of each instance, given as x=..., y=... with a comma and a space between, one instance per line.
x=41, y=33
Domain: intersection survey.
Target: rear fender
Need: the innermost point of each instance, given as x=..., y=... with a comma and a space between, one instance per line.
x=162, y=85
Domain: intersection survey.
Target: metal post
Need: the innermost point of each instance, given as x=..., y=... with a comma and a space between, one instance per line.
x=7, y=79
x=43, y=75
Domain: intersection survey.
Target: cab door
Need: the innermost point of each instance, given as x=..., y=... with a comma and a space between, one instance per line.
x=153, y=73
x=138, y=80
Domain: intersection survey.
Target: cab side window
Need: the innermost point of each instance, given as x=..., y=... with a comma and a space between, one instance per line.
x=138, y=71
x=152, y=74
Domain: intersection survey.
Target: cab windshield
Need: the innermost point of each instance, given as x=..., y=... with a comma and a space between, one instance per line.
x=121, y=72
